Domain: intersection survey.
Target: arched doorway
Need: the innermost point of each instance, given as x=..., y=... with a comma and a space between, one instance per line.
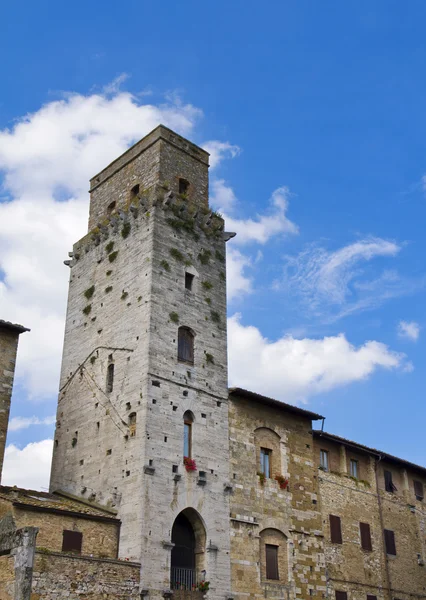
x=187, y=559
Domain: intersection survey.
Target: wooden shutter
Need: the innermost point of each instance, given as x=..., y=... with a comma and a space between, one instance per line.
x=418, y=490
x=365, y=536
x=371, y=597
x=341, y=595
x=185, y=345
x=271, y=562
x=72, y=541
x=335, y=530
x=390, y=542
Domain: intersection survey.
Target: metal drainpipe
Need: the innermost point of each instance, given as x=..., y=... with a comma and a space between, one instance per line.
x=379, y=501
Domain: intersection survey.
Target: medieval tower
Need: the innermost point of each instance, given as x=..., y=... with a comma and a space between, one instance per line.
x=142, y=421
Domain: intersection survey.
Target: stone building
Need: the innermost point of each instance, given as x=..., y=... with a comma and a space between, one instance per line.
x=188, y=487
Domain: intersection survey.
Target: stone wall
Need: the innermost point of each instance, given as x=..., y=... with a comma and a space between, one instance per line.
x=161, y=156
x=127, y=300
x=56, y=576
x=99, y=538
x=351, y=568
x=7, y=577
x=8, y=348
x=265, y=513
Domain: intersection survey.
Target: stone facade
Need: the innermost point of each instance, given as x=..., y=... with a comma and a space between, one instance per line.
x=363, y=499
x=153, y=455
x=9, y=335
x=129, y=296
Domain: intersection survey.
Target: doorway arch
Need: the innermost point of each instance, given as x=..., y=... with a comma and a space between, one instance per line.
x=188, y=552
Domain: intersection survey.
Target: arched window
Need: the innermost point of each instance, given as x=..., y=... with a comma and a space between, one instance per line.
x=111, y=207
x=186, y=345
x=268, y=455
x=188, y=419
x=110, y=378
x=273, y=556
x=132, y=424
x=134, y=192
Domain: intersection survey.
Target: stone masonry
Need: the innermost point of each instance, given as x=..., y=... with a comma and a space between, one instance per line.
x=127, y=300
x=9, y=335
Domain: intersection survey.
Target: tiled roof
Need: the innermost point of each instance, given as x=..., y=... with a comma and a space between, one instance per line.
x=13, y=326
x=236, y=391
x=58, y=501
x=383, y=455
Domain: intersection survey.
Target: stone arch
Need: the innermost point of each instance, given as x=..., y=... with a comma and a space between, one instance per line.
x=188, y=553
x=267, y=439
x=277, y=542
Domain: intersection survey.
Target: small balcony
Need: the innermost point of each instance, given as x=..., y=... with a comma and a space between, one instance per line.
x=183, y=579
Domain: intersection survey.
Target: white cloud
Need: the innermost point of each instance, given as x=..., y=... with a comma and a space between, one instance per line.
x=292, y=370
x=335, y=281
x=222, y=196
x=47, y=159
x=29, y=467
x=220, y=150
x=264, y=227
x=237, y=281
x=409, y=330
x=18, y=423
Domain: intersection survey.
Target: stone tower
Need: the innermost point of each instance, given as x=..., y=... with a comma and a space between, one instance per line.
x=9, y=335
x=144, y=371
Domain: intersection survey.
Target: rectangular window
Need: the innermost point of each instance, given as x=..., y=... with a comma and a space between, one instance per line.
x=364, y=529
x=371, y=597
x=189, y=279
x=390, y=542
x=187, y=439
x=389, y=486
x=271, y=562
x=341, y=595
x=72, y=541
x=335, y=529
x=418, y=490
x=324, y=459
x=354, y=468
x=110, y=378
x=265, y=461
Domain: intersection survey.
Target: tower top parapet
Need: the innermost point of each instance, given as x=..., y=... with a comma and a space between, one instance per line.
x=161, y=157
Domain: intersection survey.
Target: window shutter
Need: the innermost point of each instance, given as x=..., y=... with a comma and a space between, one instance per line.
x=390, y=542
x=271, y=561
x=335, y=530
x=341, y=595
x=388, y=481
x=365, y=536
x=72, y=541
x=418, y=490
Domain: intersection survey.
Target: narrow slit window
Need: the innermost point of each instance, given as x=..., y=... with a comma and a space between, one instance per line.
x=134, y=192
x=185, y=345
x=188, y=420
x=354, y=468
x=132, y=424
x=389, y=485
x=72, y=541
x=271, y=562
x=111, y=207
x=183, y=186
x=418, y=490
x=324, y=459
x=189, y=280
x=110, y=378
x=265, y=461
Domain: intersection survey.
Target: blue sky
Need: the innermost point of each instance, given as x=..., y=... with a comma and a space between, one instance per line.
x=315, y=115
